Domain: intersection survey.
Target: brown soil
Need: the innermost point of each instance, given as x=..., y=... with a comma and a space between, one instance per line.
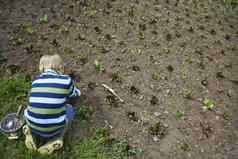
x=161, y=56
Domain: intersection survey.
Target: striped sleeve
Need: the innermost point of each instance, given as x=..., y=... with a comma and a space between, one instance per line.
x=73, y=91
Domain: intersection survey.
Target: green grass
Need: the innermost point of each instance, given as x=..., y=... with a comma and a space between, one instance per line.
x=98, y=145
x=230, y=4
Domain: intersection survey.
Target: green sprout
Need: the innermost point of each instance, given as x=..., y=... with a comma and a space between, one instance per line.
x=17, y=40
x=179, y=115
x=98, y=66
x=141, y=35
x=29, y=30
x=156, y=76
x=208, y=104
x=91, y=13
x=44, y=19
x=68, y=50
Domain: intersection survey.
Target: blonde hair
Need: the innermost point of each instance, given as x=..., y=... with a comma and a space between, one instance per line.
x=53, y=62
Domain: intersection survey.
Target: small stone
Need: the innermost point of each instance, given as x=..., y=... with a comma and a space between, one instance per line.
x=166, y=125
x=168, y=91
x=155, y=138
x=229, y=93
x=166, y=112
x=141, y=97
x=189, y=155
x=157, y=114
x=202, y=150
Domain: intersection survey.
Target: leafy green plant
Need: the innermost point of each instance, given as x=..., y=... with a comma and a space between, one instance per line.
x=230, y=4
x=156, y=76
x=29, y=30
x=91, y=13
x=44, y=19
x=208, y=104
x=16, y=40
x=179, y=115
x=98, y=66
x=68, y=50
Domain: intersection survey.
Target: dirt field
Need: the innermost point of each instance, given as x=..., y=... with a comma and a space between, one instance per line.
x=163, y=57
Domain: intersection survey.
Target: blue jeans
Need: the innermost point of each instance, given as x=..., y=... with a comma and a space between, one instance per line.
x=70, y=113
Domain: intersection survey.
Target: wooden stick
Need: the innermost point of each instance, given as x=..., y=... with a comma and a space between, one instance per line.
x=112, y=92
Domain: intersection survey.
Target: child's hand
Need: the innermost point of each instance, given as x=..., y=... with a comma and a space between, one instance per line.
x=77, y=84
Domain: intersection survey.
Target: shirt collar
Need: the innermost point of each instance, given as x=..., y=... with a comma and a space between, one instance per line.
x=50, y=72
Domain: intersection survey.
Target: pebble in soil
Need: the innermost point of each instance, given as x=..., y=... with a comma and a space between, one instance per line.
x=132, y=116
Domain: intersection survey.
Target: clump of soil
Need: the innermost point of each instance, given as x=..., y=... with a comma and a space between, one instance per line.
x=159, y=130
x=92, y=85
x=154, y=100
x=134, y=90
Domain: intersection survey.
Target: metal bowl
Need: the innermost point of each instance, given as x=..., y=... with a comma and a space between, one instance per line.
x=11, y=123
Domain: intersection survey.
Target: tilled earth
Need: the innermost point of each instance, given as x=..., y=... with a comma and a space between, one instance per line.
x=163, y=57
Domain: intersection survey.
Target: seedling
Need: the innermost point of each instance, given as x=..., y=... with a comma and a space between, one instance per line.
x=141, y=36
x=208, y=104
x=91, y=13
x=68, y=50
x=83, y=59
x=187, y=93
x=226, y=116
x=16, y=41
x=29, y=30
x=156, y=76
x=179, y=115
x=44, y=19
x=184, y=146
x=116, y=77
x=64, y=29
x=98, y=66
x=158, y=130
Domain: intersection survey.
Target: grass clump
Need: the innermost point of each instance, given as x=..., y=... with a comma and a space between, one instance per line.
x=230, y=4
x=100, y=146
x=13, y=92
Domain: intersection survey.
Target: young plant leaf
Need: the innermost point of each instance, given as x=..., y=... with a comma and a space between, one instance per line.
x=208, y=104
x=44, y=19
x=98, y=66
x=179, y=115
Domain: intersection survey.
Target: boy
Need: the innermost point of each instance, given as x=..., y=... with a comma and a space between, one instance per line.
x=48, y=115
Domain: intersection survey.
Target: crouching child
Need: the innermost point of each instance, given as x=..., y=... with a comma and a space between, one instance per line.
x=48, y=115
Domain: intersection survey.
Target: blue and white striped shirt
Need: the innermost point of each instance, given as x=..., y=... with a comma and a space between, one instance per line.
x=46, y=114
